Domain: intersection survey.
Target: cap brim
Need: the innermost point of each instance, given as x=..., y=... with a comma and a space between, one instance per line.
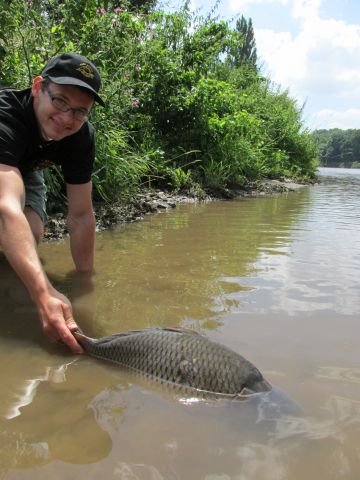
x=77, y=83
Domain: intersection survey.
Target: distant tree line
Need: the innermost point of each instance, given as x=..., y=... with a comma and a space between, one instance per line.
x=338, y=148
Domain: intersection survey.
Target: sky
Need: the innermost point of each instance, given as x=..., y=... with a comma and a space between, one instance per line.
x=310, y=48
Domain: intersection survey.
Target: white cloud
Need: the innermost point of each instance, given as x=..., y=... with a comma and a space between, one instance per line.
x=350, y=76
x=306, y=9
x=328, y=118
x=319, y=63
x=236, y=5
x=317, y=40
x=284, y=55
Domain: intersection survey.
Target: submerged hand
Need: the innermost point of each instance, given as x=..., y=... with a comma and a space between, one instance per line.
x=57, y=319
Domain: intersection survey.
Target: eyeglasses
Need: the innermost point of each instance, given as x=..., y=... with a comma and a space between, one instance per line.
x=80, y=114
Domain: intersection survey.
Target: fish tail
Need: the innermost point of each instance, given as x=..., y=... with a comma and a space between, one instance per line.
x=82, y=338
x=78, y=332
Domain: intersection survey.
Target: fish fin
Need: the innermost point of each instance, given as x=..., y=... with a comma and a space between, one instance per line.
x=78, y=334
x=128, y=333
x=107, y=338
x=158, y=329
x=181, y=330
x=174, y=329
x=246, y=392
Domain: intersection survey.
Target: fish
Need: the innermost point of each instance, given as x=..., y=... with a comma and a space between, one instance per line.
x=179, y=357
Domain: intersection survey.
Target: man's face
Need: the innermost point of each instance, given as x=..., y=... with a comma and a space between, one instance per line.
x=54, y=124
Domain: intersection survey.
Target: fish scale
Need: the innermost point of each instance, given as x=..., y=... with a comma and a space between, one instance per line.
x=180, y=357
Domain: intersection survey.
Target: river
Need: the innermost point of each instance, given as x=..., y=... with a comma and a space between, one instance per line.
x=275, y=278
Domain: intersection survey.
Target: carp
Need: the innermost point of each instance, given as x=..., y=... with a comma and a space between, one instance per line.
x=179, y=357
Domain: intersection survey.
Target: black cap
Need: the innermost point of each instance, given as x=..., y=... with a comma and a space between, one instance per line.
x=74, y=69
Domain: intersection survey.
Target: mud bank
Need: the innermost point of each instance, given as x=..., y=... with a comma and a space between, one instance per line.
x=155, y=201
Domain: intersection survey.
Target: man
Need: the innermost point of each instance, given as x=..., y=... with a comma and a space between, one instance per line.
x=46, y=124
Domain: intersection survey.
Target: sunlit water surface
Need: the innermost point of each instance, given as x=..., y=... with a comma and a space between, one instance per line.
x=276, y=279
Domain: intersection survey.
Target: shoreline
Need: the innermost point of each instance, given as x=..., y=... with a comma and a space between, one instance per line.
x=153, y=201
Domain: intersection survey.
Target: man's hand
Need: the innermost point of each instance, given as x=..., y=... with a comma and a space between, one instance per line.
x=19, y=247
x=57, y=319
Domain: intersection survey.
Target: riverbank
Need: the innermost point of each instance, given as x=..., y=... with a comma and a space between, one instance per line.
x=147, y=202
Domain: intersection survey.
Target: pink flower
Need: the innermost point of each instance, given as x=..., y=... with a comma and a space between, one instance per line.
x=101, y=11
x=118, y=10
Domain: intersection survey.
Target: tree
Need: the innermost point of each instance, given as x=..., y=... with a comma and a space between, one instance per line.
x=244, y=51
x=338, y=148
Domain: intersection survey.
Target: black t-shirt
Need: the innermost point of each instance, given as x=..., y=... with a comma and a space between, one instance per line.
x=21, y=145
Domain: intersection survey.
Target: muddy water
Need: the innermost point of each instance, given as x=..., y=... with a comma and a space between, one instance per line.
x=276, y=279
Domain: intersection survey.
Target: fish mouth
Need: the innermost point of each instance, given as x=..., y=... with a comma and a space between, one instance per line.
x=260, y=387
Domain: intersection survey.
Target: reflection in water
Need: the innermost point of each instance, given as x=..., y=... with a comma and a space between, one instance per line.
x=276, y=279
x=192, y=264
x=65, y=428
x=340, y=373
x=137, y=471
x=261, y=461
x=27, y=391
x=342, y=412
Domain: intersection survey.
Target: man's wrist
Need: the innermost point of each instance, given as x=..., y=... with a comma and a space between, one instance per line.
x=41, y=292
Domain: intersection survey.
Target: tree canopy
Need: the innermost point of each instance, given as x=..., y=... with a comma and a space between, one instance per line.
x=244, y=50
x=338, y=148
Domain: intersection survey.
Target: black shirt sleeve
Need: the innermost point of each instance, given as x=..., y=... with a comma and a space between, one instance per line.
x=13, y=131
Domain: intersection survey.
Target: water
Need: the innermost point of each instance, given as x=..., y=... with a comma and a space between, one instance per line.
x=276, y=279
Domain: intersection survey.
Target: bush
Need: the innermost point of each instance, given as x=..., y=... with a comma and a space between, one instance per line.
x=177, y=109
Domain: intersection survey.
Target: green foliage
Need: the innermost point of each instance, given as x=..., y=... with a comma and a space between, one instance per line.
x=338, y=148
x=244, y=52
x=179, y=108
x=215, y=175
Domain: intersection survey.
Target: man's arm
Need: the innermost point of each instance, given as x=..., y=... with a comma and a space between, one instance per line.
x=81, y=225
x=20, y=249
